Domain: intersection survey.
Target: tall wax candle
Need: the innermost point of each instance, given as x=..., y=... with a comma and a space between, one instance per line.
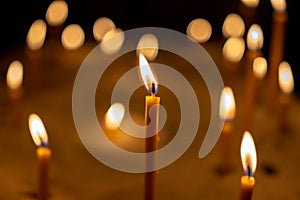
x=277, y=49
x=151, y=120
x=43, y=152
x=249, y=161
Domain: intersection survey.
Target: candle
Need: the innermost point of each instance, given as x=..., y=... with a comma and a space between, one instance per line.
x=227, y=113
x=248, y=156
x=277, y=48
x=43, y=152
x=247, y=9
x=254, y=44
x=286, y=85
x=232, y=53
x=152, y=102
x=14, y=80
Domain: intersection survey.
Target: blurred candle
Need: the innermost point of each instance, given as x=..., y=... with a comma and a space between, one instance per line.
x=226, y=113
x=232, y=54
x=43, y=152
x=249, y=162
x=14, y=80
x=247, y=9
x=277, y=49
x=152, y=102
x=286, y=85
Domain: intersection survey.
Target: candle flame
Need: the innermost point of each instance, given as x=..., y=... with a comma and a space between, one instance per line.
x=37, y=130
x=200, y=30
x=227, y=104
x=250, y=3
x=147, y=75
x=57, y=13
x=233, y=25
x=248, y=154
x=36, y=35
x=285, y=77
x=72, y=37
x=279, y=5
x=101, y=26
x=14, y=76
x=234, y=49
x=255, y=38
x=260, y=67
x=148, y=46
x=114, y=116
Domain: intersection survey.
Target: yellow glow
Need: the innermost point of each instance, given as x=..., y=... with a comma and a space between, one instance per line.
x=114, y=116
x=255, y=37
x=260, y=67
x=37, y=130
x=233, y=49
x=199, y=29
x=101, y=27
x=250, y=3
x=72, y=37
x=57, y=13
x=248, y=154
x=285, y=77
x=112, y=41
x=279, y=5
x=14, y=77
x=148, y=46
x=147, y=74
x=227, y=104
x=233, y=25
x=36, y=35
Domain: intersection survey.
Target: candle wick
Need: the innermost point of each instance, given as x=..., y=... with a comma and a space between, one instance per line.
x=248, y=171
x=152, y=88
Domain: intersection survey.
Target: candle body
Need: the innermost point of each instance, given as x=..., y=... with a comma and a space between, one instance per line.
x=16, y=105
x=247, y=184
x=284, y=100
x=43, y=155
x=276, y=54
x=151, y=146
x=226, y=147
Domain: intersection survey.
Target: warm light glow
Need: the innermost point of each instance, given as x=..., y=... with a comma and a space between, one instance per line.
x=255, y=37
x=101, y=27
x=112, y=41
x=279, y=5
x=250, y=3
x=227, y=104
x=72, y=37
x=148, y=46
x=248, y=154
x=14, y=77
x=260, y=67
x=233, y=49
x=37, y=130
x=147, y=74
x=57, y=13
x=199, y=29
x=114, y=116
x=233, y=26
x=285, y=77
x=36, y=35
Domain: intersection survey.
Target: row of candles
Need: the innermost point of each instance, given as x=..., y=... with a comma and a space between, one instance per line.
x=233, y=50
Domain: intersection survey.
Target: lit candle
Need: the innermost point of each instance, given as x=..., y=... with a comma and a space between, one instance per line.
x=40, y=138
x=286, y=85
x=227, y=113
x=277, y=48
x=232, y=53
x=247, y=10
x=14, y=80
x=152, y=102
x=248, y=156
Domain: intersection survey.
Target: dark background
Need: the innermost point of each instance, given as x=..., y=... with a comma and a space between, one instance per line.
x=17, y=16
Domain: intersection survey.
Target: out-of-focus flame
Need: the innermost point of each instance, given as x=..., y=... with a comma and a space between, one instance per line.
x=72, y=37
x=114, y=116
x=227, y=104
x=260, y=67
x=255, y=37
x=279, y=5
x=148, y=46
x=57, y=13
x=14, y=77
x=233, y=49
x=233, y=26
x=251, y=3
x=101, y=26
x=285, y=77
x=200, y=30
x=36, y=35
